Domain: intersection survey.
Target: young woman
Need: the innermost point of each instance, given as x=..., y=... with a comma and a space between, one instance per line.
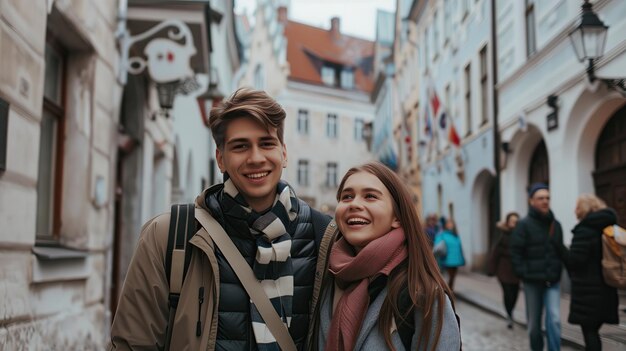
x=383, y=290
x=592, y=301
x=454, y=251
x=500, y=265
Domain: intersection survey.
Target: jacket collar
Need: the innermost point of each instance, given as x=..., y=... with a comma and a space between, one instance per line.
x=549, y=217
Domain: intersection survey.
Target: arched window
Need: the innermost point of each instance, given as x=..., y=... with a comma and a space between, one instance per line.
x=539, y=170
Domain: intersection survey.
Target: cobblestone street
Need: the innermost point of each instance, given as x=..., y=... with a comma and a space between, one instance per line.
x=482, y=331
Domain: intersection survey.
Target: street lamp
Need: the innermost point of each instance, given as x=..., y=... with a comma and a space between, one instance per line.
x=167, y=61
x=588, y=40
x=213, y=94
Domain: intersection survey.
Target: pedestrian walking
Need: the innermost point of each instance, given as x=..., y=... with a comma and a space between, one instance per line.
x=268, y=227
x=500, y=265
x=431, y=228
x=383, y=290
x=453, y=258
x=592, y=302
x=536, y=261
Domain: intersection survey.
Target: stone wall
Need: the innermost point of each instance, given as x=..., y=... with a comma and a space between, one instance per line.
x=47, y=302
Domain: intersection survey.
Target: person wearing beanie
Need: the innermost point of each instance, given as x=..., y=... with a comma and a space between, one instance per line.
x=536, y=261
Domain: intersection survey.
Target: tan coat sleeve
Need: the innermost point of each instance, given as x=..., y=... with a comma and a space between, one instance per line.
x=142, y=313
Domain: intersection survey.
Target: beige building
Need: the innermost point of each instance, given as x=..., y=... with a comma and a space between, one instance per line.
x=323, y=79
x=58, y=62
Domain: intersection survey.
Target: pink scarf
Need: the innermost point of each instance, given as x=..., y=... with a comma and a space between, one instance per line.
x=353, y=273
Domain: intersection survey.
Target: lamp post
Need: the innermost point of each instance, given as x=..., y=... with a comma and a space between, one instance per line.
x=588, y=40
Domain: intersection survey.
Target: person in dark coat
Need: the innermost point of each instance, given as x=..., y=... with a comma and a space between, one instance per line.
x=501, y=266
x=592, y=302
x=535, y=257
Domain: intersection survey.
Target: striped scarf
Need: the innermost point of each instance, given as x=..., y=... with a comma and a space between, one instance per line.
x=272, y=266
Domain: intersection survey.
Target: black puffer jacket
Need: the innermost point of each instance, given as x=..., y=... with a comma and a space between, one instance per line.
x=234, y=325
x=534, y=254
x=592, y=300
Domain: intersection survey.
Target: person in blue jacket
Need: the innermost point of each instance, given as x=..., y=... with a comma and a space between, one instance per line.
x=454, y=250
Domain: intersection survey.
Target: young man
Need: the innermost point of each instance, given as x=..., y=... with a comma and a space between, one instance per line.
x=536, y=261
x=268, y=224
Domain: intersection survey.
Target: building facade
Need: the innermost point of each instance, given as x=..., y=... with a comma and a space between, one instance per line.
x=61, y=104
x=323, y=79
x=454, y=118
x=555, y=125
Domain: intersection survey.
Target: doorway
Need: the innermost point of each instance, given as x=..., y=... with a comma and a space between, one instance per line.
x=609, y=176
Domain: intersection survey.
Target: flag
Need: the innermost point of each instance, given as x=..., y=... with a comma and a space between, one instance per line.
x=434, y=102
x=453, y=136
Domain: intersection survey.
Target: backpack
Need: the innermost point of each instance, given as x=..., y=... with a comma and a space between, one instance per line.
x=183, y=226
x=614, y=256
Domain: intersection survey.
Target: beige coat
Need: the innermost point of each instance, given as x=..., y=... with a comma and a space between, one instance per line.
x=142, y=313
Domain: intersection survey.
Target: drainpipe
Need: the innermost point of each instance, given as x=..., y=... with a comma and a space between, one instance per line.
x=495, y=128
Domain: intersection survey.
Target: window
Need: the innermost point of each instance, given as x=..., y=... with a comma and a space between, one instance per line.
x=331, y=125
x=426, y=51
x=347, y=78
x=531, y=44
x=328, y=75
x=468, y=100
x=436, y=34
x=464, y=9
x=447, y=21
x=49, y=180
x=303, y=172
x=331, y=174
x=259, y=77
x=448, y=97
x=303, y=121
x=358, y=129
x=484, y=87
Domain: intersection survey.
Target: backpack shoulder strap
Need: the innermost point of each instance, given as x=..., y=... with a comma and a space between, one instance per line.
x=249, y=281
x=320, y=225
x=177, y=257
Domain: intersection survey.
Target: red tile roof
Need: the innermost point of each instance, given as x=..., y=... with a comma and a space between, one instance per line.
x=308, y=47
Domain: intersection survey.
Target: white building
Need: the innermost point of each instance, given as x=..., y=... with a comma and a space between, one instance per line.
x=453, y=45
x=323, y=79
x=582, y=149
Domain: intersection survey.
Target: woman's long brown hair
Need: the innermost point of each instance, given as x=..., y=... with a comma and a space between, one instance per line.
x=421, y=273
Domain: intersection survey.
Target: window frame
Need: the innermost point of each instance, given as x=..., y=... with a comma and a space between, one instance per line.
x=58, y=112
x=468, y=99
x=332, y=126
x=531, y=30
x=327, y=72
x=359, y=125
x=484, y=85
x=303, y=173
x=303, y=121
x=347, y=78
x=331, y=174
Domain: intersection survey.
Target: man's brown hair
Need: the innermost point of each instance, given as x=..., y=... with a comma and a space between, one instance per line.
x=246, y=102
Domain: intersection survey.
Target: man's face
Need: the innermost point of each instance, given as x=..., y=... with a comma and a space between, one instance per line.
x=254, y=159
x=541, y=201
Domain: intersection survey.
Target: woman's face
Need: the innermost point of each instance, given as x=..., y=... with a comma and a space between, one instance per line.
x=449, y=224
x=512, y=222
x=365, y=210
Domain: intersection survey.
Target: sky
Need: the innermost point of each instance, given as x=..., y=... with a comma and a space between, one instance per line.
x=358, y=17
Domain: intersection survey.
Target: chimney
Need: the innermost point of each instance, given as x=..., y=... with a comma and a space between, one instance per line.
x=335, y=24
x=282, y=14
